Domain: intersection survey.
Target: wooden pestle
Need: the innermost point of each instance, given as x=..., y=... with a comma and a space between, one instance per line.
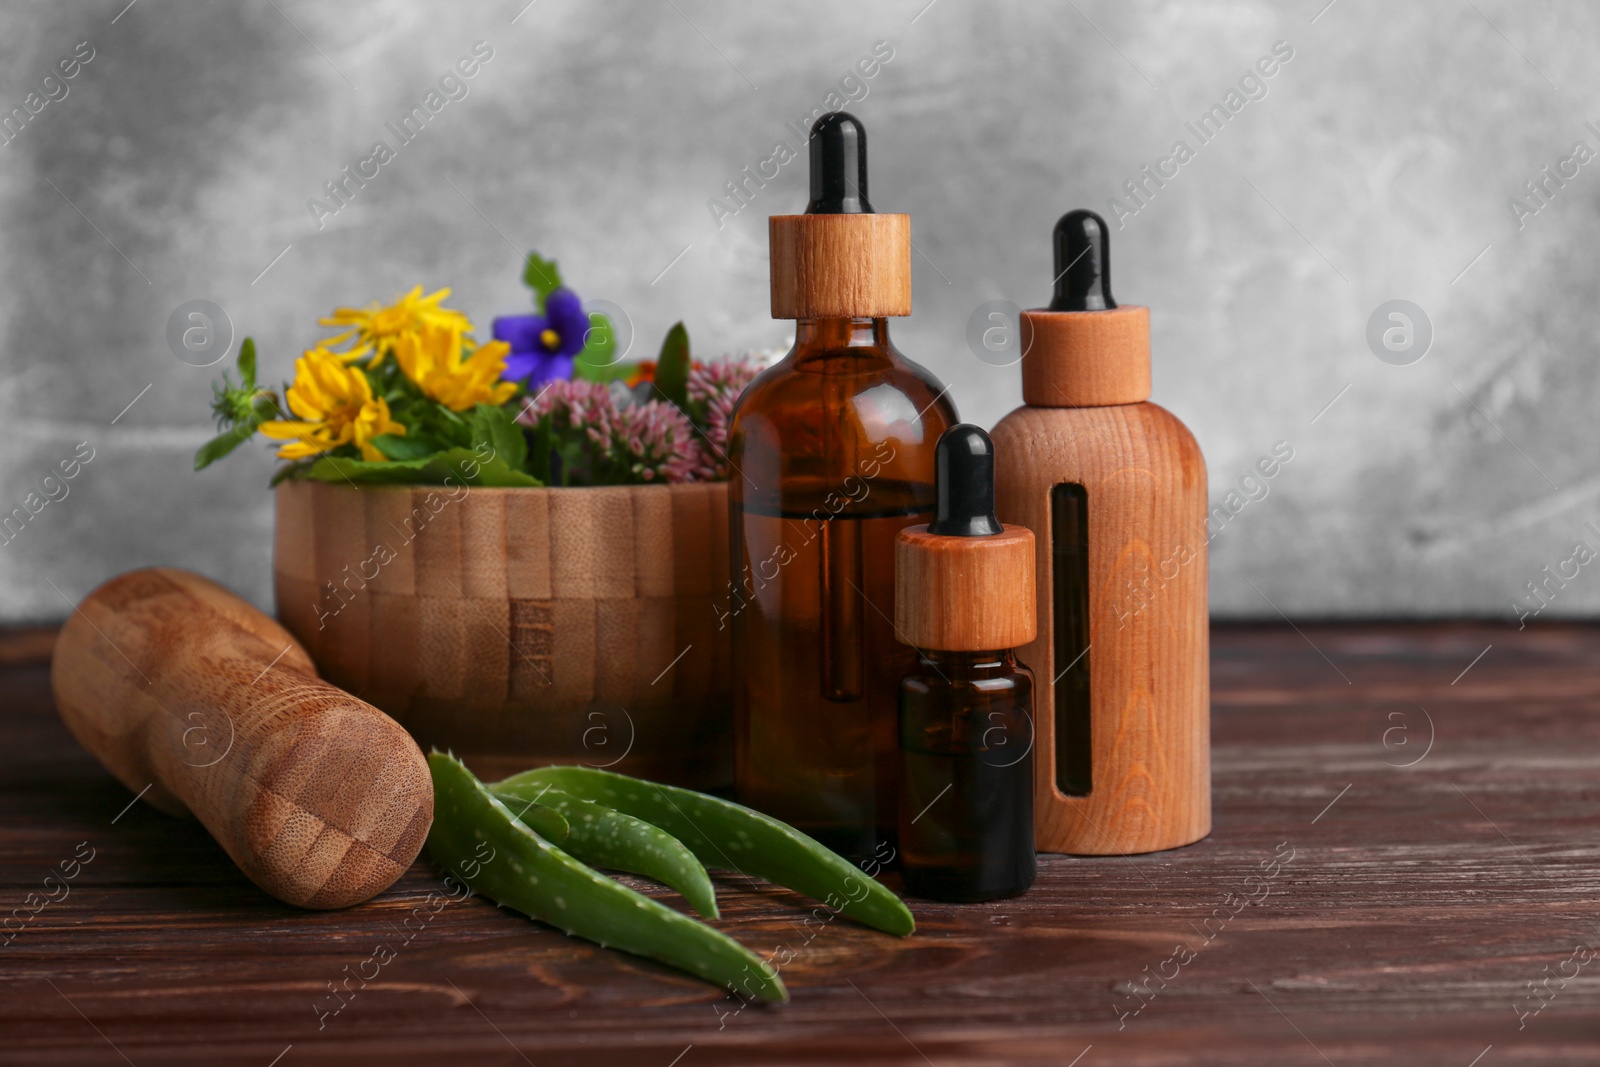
x=202, y=704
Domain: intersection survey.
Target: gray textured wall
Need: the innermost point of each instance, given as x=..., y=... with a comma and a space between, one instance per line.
x=1379, y=165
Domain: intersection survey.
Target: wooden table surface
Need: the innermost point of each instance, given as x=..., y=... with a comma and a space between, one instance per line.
x=1402, y=871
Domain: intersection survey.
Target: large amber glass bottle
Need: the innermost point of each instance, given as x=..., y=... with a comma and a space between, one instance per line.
x=833, y=454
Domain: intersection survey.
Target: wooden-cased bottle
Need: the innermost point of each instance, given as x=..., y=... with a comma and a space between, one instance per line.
x=1114, y=489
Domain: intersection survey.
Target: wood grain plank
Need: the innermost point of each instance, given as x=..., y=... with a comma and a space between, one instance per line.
x=1419, y=903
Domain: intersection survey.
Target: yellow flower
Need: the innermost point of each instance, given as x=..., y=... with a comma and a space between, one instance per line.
x=432, y=357
x=376, y=329
x=337, y=406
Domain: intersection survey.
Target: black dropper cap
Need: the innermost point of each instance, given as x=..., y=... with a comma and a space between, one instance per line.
x=1083, y=263
x=839, y=166
x=963, y=474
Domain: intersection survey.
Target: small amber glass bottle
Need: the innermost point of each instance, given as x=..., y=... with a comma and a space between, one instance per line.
x=964, y=596
x=832, y=455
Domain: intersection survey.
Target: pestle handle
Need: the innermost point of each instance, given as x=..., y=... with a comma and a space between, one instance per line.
x=175, y=683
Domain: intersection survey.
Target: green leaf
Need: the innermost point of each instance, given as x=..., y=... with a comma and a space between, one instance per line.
x=543, y=446
x=222, y=444
x=338, y=469
x=672, y=368
x=496, y=473
x=458, y=465
x=597, y=360
x=604, y=372
x=495, y=432
x=411, y=446
x=247, y=363
x=264, y=408
x=287, y=471
x=542, y=276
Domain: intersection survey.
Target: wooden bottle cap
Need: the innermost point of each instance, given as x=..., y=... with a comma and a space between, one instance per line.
x=840, y=266
x=1081, y=359
x=964, y=594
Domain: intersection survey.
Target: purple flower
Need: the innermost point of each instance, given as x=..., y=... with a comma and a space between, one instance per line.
x=543, y=346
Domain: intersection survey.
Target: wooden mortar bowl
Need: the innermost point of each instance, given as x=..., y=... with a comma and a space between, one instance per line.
x=521, y=627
